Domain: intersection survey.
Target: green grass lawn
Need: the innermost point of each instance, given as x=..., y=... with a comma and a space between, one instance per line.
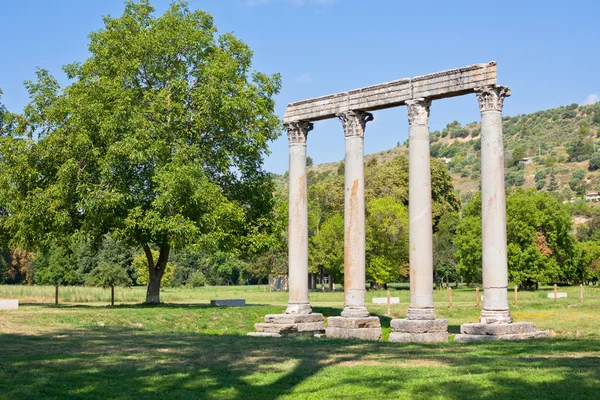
x=186, y=349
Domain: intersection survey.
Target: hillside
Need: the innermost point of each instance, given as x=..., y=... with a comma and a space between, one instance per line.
x=550, y=150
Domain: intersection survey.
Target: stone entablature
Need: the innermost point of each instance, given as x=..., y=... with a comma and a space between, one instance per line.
x=450, y=83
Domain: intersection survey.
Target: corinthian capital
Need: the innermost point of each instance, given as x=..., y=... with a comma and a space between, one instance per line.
x=298, y=131
x=491, y=98
x=418, y=111
x=354, y=122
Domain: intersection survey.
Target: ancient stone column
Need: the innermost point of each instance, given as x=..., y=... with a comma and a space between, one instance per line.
x=354, y=214
x=419, y=212
x=420, y=324
x=298, y=220
x=298, y=318
x=355, y=321
x=493, y=206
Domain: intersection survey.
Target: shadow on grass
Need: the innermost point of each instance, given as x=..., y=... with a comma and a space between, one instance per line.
x=120, y=363
x=140, y=306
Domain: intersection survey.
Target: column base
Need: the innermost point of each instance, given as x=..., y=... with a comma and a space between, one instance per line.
x=355, y=312
x=498, y=331
x=420, y=314
x=298, y=308
x=419, y=331
x=495, y=317
x=364, y=328
x=279, y=325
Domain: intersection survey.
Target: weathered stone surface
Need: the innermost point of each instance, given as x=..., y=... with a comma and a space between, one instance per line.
x=293, y=318
x=419, y=326
x=497, y=329
x=519, y=336
x=454, y=82
x=263, y=334
x=383, y=300
x=430, y=337
x=353, y=323
x=228, y=303
x=290, y=328
x=9, y=304
x=354, y=333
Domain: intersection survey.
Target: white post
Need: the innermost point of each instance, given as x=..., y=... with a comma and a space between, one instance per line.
x=419, y=212
x=354, y=214
x=493, y=206
x=298, y=220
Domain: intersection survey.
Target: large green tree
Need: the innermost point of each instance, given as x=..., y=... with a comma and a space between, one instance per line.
x=540, y=246
x=159, y=139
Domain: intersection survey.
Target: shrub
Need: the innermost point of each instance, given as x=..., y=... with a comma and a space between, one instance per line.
x=197, y=279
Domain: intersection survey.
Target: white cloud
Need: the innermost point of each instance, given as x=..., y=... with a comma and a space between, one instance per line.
x=303, y=79
x=591, y=99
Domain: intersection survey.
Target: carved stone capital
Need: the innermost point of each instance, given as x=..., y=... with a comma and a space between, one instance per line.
x=418, y=111
x=298, y=131
x=491, y=98
x=354, y=122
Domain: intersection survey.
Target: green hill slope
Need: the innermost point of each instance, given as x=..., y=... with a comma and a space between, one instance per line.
x=550, y=150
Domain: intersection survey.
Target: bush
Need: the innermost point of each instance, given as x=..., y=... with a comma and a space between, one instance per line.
x=197, y=279
x=594, y=162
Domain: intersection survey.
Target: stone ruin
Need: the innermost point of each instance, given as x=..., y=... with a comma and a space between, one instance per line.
x=353, y=110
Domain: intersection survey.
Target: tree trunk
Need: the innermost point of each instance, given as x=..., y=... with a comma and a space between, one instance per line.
x=56, y=295
x=112, y=295
x=330, y=283
x=156, y=272
x=322, y=279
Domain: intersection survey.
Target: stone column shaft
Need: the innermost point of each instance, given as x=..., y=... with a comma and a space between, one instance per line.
x=298, y=220
x=493, y=206
x=419, y=212
x=354, y=214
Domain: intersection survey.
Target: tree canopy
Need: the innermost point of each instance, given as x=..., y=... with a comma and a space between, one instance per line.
x=159, y=139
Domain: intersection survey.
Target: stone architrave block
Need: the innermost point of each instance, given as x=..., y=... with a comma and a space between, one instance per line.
x=9, y=304
x=419, y=326
x=449, y=83
x=228, y=303
x=293, y=318
x=383, y=300
x=353, y=322
x=497, y=329
x=354, y=333
x=559, y=295
x=462, y=338
x=430, y=337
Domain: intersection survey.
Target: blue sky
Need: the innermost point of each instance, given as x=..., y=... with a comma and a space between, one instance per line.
x=547, y=52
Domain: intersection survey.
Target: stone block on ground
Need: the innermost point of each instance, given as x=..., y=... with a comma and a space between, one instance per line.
x=559, y=295
x=354, y=333
x=353, y=322
x=463, y=338
x=290, y=328
x=293, y=318
x=383, y=300
x=419, y=326
x=263, y=334
x=497, y=329
x=430, y=337
x=228, y=303
x=7, y=304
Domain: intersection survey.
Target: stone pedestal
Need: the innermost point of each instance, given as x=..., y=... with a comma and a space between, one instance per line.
x=365, y=328
x=513, y=331
x=419, y=331
x=278, y=325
